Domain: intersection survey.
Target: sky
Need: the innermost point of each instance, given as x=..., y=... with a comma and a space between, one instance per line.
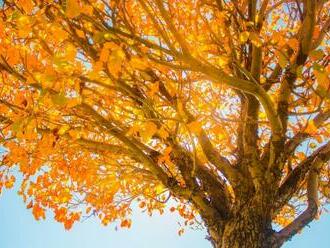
x=18, y=229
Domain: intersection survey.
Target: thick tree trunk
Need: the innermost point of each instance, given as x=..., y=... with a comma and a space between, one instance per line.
x=249, y=228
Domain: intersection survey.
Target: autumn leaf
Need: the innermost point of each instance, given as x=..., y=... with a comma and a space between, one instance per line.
x=142, y=204
x=181, y=231
x=72, y=8
x=68, y=224
x=316, y=54
x=148, y=130
x=138, y=63
x=159, y=189
x=9, y=183
x=244, y=36
x=154, y=88
x=293, y=43
x=322, y=78
x=59, y=99
x=38, y=212
x=163, y=133
x=103, y=103
x=195, y=127
x=75, y=134
x=125, y=223
x=311, y=127
x=63, y=129
x=30, y=205
x=283, y=60
x=104, y=55
x=27, y=5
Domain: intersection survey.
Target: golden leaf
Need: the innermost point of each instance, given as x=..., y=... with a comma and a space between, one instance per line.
x=243, y=37
x=195, y=127
x=72, y=8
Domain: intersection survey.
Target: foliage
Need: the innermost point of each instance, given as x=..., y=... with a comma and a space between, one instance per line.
x=211, y=103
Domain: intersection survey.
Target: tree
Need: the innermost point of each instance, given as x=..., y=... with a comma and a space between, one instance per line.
x=222, y=106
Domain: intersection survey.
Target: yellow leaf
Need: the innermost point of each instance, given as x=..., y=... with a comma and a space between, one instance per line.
x=312, y=145
x=63, y=129
x=23, y=21
x=118, y=54
x=223, y=61
x=159, y=189
x=243, y=37
x=262, y=115
x=148, y=130
x=30, y=131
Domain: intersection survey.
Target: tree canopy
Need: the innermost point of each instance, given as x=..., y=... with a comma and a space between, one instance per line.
x=221, y=105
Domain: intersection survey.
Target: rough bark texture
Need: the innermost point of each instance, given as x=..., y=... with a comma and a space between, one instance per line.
x=244, y=231
x=248, y=227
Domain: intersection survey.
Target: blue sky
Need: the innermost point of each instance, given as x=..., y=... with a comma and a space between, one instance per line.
x=18, y=229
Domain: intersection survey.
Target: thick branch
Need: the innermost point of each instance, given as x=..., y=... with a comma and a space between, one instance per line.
x=305, y=217
x=217, y=160
x=218, y=76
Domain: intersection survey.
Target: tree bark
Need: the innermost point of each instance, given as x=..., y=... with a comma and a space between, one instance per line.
x=248, y=228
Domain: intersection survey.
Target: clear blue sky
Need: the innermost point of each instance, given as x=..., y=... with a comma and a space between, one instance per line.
x=18, y=229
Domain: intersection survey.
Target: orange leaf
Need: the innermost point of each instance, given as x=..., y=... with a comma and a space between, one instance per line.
x=172, y=209
x=311, y=128
x=38, y=212
x=195, y=127
x=72, y=9
x=10, y=182
x=125, y=223
x=30, y=205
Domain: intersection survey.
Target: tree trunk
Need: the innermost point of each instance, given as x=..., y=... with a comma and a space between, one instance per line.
x=248, y=228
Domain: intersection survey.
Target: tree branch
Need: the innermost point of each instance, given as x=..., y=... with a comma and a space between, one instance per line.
x=146, y=160
x=305, y=217
x=293, y=181
x=218, y=161
x=218, y=76
x=296, y=140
